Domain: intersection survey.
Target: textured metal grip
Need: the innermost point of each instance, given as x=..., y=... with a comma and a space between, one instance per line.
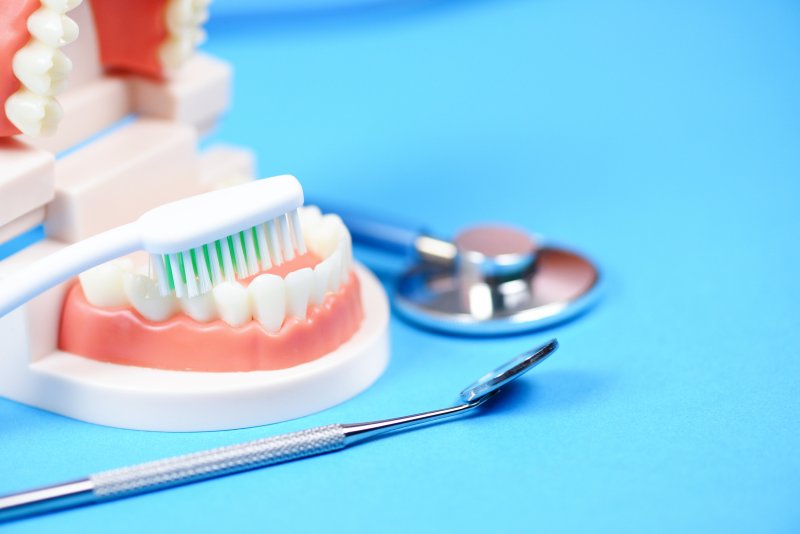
x=216, y=462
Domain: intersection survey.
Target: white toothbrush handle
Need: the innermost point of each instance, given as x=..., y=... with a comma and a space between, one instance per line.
x=21, y=286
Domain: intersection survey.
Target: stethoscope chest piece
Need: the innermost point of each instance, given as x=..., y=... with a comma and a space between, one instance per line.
x=501, y=282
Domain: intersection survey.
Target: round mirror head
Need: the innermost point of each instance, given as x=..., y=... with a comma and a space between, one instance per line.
x=507, y=372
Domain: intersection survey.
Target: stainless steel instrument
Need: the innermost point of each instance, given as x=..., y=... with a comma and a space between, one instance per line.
x=162, y=474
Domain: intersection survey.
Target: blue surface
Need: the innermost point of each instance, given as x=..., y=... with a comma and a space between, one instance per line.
x=662, y=137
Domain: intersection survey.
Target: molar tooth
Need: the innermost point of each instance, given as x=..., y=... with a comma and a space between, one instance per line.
x=322, y=277
x=33, y=114
x=346, y=245
x=52, y=28
x=176, y=50
x=201, y=308
x=102, y=285
x=232, y=303
x=309, y=216
x=41, y=68
x=61, y=6
x=298, y=291
x=183, y=14
x=144, y=296
x=323, y=237
x=268, y=301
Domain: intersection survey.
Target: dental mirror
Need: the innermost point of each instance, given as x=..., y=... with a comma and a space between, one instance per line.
x=170, y=472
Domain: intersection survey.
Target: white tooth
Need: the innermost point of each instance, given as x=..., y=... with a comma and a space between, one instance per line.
x=33, y=114
x=176, y=50
x=41, y=68
x=309, y=216
x=232, y=303
x=52, y=28
x=298, y=290
x=346, y=245
x=183, y=14
x=336, y=270
x=322, y=278
x=202, y=308
x=102, y=285
x=323, y=237
x=144, y=296
x=178, y=14
x=61, y=6
x=268, y=301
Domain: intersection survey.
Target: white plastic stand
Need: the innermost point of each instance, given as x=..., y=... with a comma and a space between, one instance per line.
x=183, y=401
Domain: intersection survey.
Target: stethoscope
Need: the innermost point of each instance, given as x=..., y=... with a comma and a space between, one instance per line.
x=491, y=279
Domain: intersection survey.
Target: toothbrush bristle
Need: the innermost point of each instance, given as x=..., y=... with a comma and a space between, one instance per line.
x=197, y=271
x=274, y=243
x=286, y=237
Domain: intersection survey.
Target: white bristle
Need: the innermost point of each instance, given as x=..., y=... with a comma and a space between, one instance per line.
x=250, y=251
x=191, y=277
x=274, y=243
x=286, y=238
x=160, y=270
x=177, y=279
x=213, y=259
x=227, y=260
x=297, y=232
x=202, y=270
x=241, y=264
x=266, y=262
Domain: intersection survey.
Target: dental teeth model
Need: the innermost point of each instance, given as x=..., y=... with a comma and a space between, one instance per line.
x=309, y=302
x=260, y=322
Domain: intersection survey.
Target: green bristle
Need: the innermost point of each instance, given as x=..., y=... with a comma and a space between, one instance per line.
x=169, y=271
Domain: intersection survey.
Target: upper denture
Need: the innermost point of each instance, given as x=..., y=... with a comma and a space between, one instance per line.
x=32, y=68
x=13, y=36
x=148, y=37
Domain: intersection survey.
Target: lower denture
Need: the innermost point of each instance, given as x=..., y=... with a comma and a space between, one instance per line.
x=13, y=36
x=122, y=336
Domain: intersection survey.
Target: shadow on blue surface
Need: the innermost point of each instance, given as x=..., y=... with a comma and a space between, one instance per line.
x=301, y=17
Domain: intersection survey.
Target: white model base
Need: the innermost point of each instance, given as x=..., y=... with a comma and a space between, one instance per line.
x=183, y=401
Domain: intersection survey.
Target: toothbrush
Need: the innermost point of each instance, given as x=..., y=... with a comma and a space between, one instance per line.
x=195, y=244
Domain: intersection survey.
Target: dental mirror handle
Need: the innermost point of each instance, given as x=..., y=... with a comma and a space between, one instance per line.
x=162, y=474
x=393, y=236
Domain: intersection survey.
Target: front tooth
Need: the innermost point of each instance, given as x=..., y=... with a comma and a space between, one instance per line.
x=298, y=290
x=52, y=28
x=102, y=285
x=33, y=114
x=232, y=303
x=268, y=301
x=201, y=308
x=144, y=296
x=323, y=237
x=322, y=277
x=41, y=68
x=336, y=270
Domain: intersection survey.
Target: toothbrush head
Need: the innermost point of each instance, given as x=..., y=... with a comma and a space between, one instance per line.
x=197, y=243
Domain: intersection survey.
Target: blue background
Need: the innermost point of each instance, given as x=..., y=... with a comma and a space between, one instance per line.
x=661, y=137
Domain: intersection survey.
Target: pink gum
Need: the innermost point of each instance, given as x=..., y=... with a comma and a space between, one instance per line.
x=13, y=36
x=122, y=336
